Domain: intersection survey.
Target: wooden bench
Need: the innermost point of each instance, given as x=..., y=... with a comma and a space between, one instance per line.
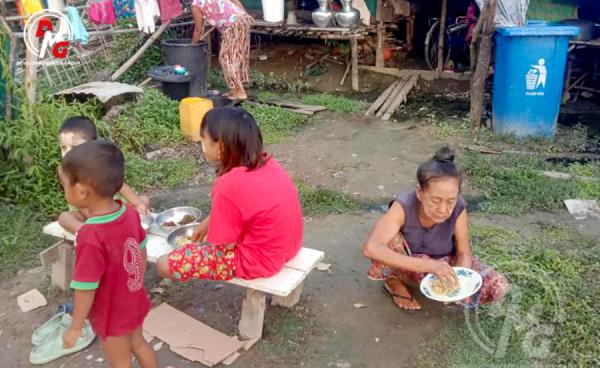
x=285, y=287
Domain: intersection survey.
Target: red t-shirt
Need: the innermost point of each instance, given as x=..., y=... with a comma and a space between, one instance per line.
x=260, y=212
x=109, y=259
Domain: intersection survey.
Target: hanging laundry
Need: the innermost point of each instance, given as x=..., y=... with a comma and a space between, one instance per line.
x=102, y=12
x=169, y=9
x=145, y=11
x=28, y=7
x=124, y=8
x=80, y=34
x=56, y=5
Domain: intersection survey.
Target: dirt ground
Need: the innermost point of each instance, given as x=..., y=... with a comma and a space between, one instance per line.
x=367, y=158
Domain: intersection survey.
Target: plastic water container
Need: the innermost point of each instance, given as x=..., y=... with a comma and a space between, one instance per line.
x=191, y=113
x=273, y=10
x=528, y=78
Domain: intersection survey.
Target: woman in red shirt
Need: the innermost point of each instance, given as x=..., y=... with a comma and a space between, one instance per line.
x=255, y=223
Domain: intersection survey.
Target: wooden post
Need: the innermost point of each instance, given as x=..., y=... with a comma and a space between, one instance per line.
x=354, y=50
x=125, y=67
x=290, y=300
x=379, y=59
x=473, y=46
x=62, y=266
x=11, y=67
x=483, y=63
x=30, y=74
x=441, y=38
x=253, y=315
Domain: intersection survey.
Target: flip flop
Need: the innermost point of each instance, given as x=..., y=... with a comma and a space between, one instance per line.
x=389, y=291
x=52, y=348
x=49, y=327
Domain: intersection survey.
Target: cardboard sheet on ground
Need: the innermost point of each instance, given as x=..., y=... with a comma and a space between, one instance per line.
x=31, y=300
x=188, y=337
x=583, y=209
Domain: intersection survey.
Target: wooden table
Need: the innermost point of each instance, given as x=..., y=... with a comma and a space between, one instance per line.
x=323, y=33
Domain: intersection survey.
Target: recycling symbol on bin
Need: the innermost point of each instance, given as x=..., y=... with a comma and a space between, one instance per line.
x=536, y=76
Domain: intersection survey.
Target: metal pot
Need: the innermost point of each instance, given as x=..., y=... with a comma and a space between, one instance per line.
x=322, y=17
x=348, y=17
x=588, y=30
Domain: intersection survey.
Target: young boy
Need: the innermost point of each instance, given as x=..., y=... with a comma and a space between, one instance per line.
x=73, y=132
x=110, y=256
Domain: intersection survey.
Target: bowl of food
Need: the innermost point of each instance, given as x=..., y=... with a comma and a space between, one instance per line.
x=147, y=221
x=182, y=235
x=469, y=282
x=176, y=217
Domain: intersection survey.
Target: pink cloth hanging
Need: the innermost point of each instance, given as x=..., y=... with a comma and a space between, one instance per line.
x=102, y=12
x=169, y=9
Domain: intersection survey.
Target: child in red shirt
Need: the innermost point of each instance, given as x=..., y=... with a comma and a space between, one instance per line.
x=255, y=224
x=110, y=258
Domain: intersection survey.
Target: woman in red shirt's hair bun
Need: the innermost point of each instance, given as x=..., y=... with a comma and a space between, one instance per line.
x=255, y=223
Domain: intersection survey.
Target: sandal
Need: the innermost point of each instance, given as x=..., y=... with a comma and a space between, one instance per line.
x=391, y=293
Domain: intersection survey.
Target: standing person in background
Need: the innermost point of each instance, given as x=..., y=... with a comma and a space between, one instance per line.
x=234, y=23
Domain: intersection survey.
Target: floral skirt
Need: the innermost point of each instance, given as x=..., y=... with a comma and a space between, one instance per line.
x=202, y=261
x=494, y=285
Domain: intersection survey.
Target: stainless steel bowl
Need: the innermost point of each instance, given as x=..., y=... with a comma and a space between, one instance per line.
x=185, y=230
x=176, y=215
x=146, y=221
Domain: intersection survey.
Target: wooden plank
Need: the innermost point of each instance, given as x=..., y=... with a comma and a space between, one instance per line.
x=441, y=39
x=381, y=99
x=290, y=300
x=253, y=315
x=401, y=97
x=50, y=254
x=62, y=269
x=306, y=259
x=129, y=63
x=294, y=105
x=392, y=96
x=379, y=60
x=354, y=60
x=54, y=229
x=427, y=75
x=281, y=284
x=31, y=73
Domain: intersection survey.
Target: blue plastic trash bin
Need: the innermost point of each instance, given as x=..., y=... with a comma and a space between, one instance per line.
x=528, y=78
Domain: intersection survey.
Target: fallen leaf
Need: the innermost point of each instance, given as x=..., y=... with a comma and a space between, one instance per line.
x=359, y=305
x=324, y=267
x=157, y=346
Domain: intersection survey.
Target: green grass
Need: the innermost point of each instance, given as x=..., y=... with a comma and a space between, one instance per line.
x=551, y=290
x=334, y=103
x=153, y=120
x=21, y=238
x=514, y=184
x=168, y=173
x=287, y=333
x=276, y=124
x=319, y=201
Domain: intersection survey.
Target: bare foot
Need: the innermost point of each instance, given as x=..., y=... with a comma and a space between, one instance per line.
x=401, y=295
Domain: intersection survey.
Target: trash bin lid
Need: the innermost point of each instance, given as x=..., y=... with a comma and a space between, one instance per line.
x=538, y=30
x=167, y=74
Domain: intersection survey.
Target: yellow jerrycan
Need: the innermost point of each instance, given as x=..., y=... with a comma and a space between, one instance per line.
x=191, y=113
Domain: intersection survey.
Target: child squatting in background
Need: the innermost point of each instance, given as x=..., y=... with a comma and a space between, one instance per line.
x=73, y=132
x=110, y=256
